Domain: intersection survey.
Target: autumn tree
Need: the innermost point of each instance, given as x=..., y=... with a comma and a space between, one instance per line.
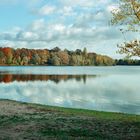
x=128, y=13
x=8, y=52
x=56, y=57
x=91, y=59
x=44, y=55
x=64, y=57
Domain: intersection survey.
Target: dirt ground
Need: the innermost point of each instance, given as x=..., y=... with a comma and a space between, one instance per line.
x=20, y=121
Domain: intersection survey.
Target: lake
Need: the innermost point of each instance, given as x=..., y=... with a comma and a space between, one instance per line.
x=113, y=89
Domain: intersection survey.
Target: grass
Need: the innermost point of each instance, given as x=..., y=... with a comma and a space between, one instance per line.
x=33, y=121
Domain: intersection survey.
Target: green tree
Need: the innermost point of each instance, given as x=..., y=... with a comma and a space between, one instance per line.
x=1, y=54
x=85, y=51
x=73, y=60
x=35, y=59
x=25, y=60
x=56, y=61
x=2, y=57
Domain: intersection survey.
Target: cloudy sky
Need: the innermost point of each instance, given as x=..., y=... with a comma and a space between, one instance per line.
x=68, y=24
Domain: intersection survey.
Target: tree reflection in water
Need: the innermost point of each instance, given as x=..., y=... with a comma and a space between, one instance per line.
x=7, y=78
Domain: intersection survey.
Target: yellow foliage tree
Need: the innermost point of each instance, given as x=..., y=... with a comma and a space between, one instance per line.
x=128, y=13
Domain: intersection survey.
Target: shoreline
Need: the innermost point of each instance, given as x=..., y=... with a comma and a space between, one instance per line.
x=76, y=110
x=34, y=121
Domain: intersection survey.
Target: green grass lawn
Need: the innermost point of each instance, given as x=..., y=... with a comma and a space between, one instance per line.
x=32, y=121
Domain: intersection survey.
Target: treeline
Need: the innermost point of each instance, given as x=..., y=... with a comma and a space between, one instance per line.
x=54, y=57
x=133, y=62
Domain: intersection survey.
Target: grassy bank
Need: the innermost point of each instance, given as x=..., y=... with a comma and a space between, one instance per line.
x=32, y=121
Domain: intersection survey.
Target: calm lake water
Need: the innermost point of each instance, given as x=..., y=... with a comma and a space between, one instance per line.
x=114, y=89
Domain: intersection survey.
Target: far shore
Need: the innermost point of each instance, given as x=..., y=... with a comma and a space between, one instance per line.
x=33, y=121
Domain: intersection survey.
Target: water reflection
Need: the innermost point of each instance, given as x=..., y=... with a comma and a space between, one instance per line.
x=7, y=78
x=114, y=92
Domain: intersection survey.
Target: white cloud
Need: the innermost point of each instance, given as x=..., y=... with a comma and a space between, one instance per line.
x=59, y=27
x=46, y=10
x=27, y=36
x=85, y=3
x=37, y=25
x=67, y=11
x=65, y=36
